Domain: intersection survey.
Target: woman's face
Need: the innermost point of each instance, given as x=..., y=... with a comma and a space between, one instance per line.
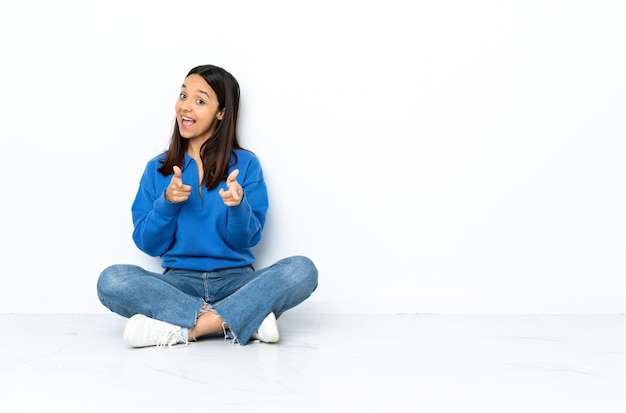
x=197, y=110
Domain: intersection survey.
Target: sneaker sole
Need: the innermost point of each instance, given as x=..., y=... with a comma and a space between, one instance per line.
x=268, y=331
x=130, y=324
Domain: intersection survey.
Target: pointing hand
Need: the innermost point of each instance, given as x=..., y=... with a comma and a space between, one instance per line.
x=176, y=191
x=234, y=192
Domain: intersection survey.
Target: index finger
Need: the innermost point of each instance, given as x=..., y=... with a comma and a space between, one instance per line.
x=233, y=176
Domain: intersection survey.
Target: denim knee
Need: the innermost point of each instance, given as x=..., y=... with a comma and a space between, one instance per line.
x=105, y=283
x=306, y=272
x=110, y=281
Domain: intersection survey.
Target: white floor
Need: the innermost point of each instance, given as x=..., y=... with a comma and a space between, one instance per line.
x=323, y=363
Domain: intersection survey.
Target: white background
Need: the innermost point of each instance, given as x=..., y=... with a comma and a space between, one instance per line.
x=429, y=156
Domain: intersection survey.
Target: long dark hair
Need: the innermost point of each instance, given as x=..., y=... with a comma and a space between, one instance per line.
x=217, y=150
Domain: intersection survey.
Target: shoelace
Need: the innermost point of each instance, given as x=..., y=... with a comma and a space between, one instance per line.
x=166, y=341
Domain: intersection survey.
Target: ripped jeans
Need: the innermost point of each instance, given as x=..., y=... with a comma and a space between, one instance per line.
x=242, y=296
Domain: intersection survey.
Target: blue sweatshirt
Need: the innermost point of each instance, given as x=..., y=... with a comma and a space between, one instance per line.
x=201, y=233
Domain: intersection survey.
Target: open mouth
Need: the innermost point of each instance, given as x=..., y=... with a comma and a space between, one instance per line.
x=186, y=122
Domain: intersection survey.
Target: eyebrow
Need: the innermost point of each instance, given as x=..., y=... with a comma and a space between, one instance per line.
x=199, y=90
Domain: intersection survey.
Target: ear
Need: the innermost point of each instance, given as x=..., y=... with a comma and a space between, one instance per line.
x=220, y=114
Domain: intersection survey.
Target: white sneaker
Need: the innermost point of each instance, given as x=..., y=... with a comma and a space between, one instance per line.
x=143, y=331
x=267, y=332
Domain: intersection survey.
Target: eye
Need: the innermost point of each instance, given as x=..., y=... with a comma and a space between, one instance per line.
x=182, y=96
x=200, y=101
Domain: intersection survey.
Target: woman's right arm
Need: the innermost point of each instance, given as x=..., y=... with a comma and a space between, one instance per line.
x=154, y=218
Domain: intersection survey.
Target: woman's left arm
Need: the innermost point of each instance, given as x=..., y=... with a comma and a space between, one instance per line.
x=245, y=216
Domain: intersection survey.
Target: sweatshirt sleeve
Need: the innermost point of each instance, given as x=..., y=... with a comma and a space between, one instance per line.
x=154, y=218
x=245, y=222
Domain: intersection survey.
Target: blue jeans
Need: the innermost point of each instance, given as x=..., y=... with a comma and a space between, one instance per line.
x=242, y=296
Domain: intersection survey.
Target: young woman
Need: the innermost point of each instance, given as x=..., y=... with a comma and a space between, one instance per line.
x=201, y=207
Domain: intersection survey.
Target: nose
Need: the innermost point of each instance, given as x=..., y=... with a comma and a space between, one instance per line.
x=185, y=106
